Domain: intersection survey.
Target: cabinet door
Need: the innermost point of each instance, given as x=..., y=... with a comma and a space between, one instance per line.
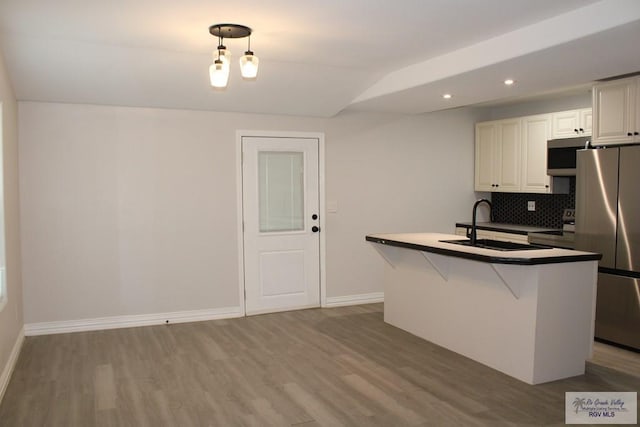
x=509, y=145
x=485, y=156
x=614, y=112
x=535, y=133
x=566, y=124
x=585, y=122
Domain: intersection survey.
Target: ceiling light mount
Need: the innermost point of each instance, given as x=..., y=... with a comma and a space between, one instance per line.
x=230, y=31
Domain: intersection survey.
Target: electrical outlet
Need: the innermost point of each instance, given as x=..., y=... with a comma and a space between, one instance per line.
x=531, y=205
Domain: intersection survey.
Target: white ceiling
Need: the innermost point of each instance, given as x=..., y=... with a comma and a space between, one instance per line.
x=317, y=57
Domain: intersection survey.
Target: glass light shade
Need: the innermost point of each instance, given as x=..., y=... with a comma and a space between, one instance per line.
x=224, y=55
x=219, y=74
x=249, y=65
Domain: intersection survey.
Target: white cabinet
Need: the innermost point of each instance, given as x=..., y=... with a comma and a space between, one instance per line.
x=497, y=155
x=511, y=154
x=535, y=133
x=616, y=110
x=568, y=124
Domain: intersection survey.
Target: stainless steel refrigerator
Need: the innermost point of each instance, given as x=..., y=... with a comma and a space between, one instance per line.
x=608, y=221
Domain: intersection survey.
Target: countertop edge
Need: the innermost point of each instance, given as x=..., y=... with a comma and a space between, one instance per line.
x=504, y=228
x=485, y=258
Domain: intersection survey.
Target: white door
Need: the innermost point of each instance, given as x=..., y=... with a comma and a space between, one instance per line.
x=280, y=190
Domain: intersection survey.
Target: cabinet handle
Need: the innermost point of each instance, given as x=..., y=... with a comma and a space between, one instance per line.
x=581, y=130
x=546, y=186
x=575, y=130
x=636, y=133
x=629, y=134
x=497, y=185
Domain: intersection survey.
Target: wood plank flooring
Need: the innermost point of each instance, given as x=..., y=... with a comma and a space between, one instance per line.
x=321, y=367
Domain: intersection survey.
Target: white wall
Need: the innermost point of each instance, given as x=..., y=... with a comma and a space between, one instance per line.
x=562, y=103
x=11, y=315
x=133, y=211
x=393, y=174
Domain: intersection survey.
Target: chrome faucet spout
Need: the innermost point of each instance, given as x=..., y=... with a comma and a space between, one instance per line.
x=472, y=235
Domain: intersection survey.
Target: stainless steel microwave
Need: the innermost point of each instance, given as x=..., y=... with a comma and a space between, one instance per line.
x=561, y=155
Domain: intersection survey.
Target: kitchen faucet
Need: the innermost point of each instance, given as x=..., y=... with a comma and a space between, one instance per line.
x=472, y=233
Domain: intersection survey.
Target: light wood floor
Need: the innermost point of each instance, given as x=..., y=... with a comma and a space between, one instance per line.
x=321, y=367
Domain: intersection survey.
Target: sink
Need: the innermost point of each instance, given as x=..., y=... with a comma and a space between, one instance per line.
x=497, y=245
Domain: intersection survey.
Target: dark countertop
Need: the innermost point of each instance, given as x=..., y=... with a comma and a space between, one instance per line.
x=506, y=228
x=431, y=242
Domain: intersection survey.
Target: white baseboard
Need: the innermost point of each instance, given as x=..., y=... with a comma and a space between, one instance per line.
x=11, y=364
x=355, y=299
x=115, y=322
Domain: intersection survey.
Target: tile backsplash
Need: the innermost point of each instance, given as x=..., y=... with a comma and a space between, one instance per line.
x=511, y=208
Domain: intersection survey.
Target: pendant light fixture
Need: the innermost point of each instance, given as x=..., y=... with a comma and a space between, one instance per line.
x=249, y=63
x=219, y=70
x=218, y=74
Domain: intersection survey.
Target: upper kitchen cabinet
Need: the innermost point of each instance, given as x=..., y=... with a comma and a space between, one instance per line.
x=497, y=155
x=572, y=123
x=535, y=133
x=511, y=156
x=616, y=110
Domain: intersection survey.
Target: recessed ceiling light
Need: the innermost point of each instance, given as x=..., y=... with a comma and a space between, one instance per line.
x=447, y=96
x=509, y=82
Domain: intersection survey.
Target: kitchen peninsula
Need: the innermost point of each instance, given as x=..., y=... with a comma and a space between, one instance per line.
x=528, y=313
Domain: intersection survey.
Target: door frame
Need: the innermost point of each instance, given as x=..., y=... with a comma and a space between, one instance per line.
x=240, y=206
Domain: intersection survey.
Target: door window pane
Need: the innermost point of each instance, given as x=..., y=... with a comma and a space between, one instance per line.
x=281, y=190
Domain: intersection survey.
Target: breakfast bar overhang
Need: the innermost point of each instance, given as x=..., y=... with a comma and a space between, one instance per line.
x=527, y=313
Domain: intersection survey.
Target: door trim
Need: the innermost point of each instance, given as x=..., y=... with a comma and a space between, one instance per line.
x=239, y=211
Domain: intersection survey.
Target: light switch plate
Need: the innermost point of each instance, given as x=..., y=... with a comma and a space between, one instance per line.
x=531, y=205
